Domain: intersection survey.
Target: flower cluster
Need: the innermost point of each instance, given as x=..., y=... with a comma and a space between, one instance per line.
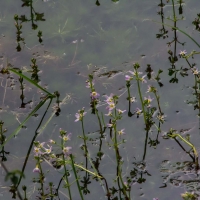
x=135, y=74
x=161, y=118
x=147, y=101
x=110, y=104
x=111, y=101
x=39, y=149
x=65, y=137
x=90, y=84
x=79, y=116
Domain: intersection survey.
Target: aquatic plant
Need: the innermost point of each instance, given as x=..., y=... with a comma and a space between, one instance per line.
x=104, y=159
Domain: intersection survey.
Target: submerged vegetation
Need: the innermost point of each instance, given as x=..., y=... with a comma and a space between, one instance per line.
x=113, y=144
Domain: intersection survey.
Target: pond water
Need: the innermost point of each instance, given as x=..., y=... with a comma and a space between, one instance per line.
x=103, y=38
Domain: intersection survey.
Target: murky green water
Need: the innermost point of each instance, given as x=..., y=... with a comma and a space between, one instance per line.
x=80, y=38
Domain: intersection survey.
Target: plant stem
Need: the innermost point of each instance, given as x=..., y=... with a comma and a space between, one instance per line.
x=66, y=173
x=75, y=174
x=141, y=99
x=118, y=157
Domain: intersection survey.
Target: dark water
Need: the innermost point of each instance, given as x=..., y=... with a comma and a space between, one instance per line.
x=80, y=38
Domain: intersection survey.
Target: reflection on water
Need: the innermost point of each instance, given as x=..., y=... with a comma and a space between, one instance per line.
x=137, y=128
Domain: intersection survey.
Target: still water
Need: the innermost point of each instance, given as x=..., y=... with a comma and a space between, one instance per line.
x=103, y=38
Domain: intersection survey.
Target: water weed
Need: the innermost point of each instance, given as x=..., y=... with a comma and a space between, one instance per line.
x=132, y=134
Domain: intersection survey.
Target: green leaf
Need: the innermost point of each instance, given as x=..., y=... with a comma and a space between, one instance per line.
x=39, y=17
x=27, y=118
x=31, y=81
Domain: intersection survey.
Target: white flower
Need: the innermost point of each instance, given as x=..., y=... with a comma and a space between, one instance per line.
x=128, y=78
x=79, y=116
x=67, y=137
x=48, y=151
x=36, y=169
x=195, y=71
x=151, y=88
x=161, y=118
x=110, y=106
x=52, y=141
x=182, y=53
x=94, y=95
x=138, y=111
x=148, y=100
x=109, y=99
x=134, y=72
x=109, y=113
x=133, y=99
x=37, y=151
x=121, y=111
x=109, y=125
x=67, y=151
x=142, y=79
x=121, y=132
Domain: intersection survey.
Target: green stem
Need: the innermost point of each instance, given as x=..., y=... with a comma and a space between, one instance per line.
x=174, y=11
x=32, y=142
x=175, y=36
x=102, y=117
x=96, y=111
x=41, y=177
x=128, y=88
x=187, y=142
x=75, y=174
x=118, y=157
x=157, y=99
x=95, y=174
x=84, y=138
x=180, y=31
x=66, y=177
x=141, y=99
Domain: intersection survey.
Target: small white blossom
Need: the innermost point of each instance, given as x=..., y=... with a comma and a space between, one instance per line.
x=182, y=53
x=138, y=111
x=121, y=111
x=36, y=169
x=143, y=80
x=67, y=151
x=121, y=132
x=195, y=71
x=133, y=99
x=94, y=95
x=109, y=99
x=109, y=125
x=110, y=106
x=128, y=78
